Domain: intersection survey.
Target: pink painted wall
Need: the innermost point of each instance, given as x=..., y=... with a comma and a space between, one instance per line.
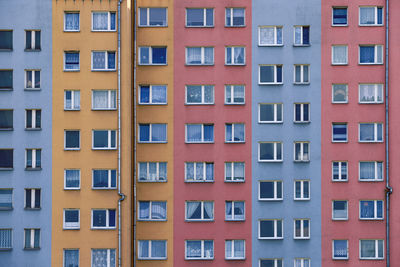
x=218, y=114
x=353, y=113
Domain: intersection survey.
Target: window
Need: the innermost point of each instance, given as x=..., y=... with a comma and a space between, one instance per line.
x=301, y=190
x=71, y=61
x=301, y=74
x=302, y=229
x=103, y=60
x=339, y=54
x=71, y=140
x=371, y=171
x=370, y=93
x=152, y=210
x=199, y=94
x=5, y=203
x=199, y=172
x=72, y=100
x=71, y=257
x=32, y=198
x=340, y=249
x=235, y=250
x=152, y=250
x=270, y=190
x=6, y=119
x=301, y=151
x=6, y=79
x=339, y=210
x=234, y=211
x=199, y=211
x=32, y=79
x=371, y=16
x=71, y=22
x=33, y=119
x=104, y=99
x=371, y=54
x=103, y=257
x=234, y=94
x=32, y=40
x=234, y=133
x=199, y=133
x=104, y=179
x=153, y=94
x=72, y=179
x=270, y=113
x=32, y=239
x=6, y=159
x=339, y=171
x=234, y=17
x=71, y=219
x=152, y=171
x=270, y=151
x=271, y=263
x=199, y=17
x=104, y=139
x=339, y=132
x=370, y=132
x=339, y=16
x=103, y=219
x=235, y=55
x=199, y=55
x=270, y=229
x=339, y=93
x=5, y=239
x=6, y=40
x=153, y=133
x=301, y=112
x=371, y=249
x=103, y=21
x=270, y=74
x=33, y=159
x=270, y=36
x=199, y=249
x=152, y=55
x=371, y=210
x=301, y=35
x=153, y=17
x=302, y=262
x=234, y=171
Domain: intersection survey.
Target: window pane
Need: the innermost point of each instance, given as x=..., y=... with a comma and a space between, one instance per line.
x=368, y=248
x=367, y=15
x=340, y=248
x=6, y=158
x=367, y=54
x=158, y=16
x=193, y=94
x=144, y=131
x=6, y=40
x=71, y=258
x=340, y=16
x=194, y=17
x=238, y=16
x=100, y=21
x=6, y=119
x=72, y=178
x=193, y=249
x=159, y=55
x=209, y=17
x=144, y=94
x=37, y=39
x=339, y=209
x=28, y=39
x=6, y=79
x=99, y=60
x=159, y=132
x=266, y=151
x=100, y=178
x=72, y=139
x=267, y=112
x=209, y=94
x=267, y=228
x=100, y=139
x=339, y=92
x=267, y=74
x=267, y=35
x=144, y=55
x=159, y=94
x=208, y=133
x=158, y=249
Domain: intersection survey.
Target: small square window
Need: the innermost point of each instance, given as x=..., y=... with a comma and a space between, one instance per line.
x=370, y=93
x=33, y=159
x=371, y=54
x=370, y=132
x=339, y=93
x=199, y=55
x=199, y=172
x=102, y=258
x=71, y=219
x=199, y=94
x=199, y=133
x=339, y=55
x=339, y=210
x=371, y=249
x=340, y=249
x=235, y=250
x=199, y=211
x=235, y=55
x=301, y=190
x=153, y=94
x=103, y=60
x=72, y=100
x=301, y=35
x=32, y=198
x=270, y=152
x=234, y=172
x=71, y=61
x=234, y=17
x=6, y=80
x=71, y=257
x=371, y=16
x=6, y=237
x=104, y=139
x=152, y=172
x=104, y=99
x=152, y=55
x=72, y=179
x=270, y=229
x=302, y=229
x=32, y=79
x=6, y=119
x=234, y=133
x=153, y=17
x=103, y=219
x=339, y=132
x=72, y=140
x=234, y=94
x=371, y=171
x=271, y=263
x=199, y=249
x=153, y=133
x=152, y=249
x=339, y=16
x=270, y=113
x=199, y=17
x=270, y=36
x=234, y=211
x=71, y=21
x=301, y=74
x=104, y=179
x=270, y=74
x=371, y=210
x=33, y=119
x=32, y=239
x=6, y=159
x=339, y=171
x=301, y=112
x=32, y=40
x=103, y=21
x=270, y=190
x=152, y=211
x=6, y=40
x=6, y=196
x=301, y=151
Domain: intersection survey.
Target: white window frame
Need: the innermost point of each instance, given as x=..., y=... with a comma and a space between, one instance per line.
x=347, y=55
x=275, y=184
x=275, y=110
x=275, y=82
x=302, y=113
x=109, y=181
x=233, y=133
x=70, y=249
x=376, y=50
x=233, y=215
x=276, y=261
x=148, y=17
x=198, y=180
x=275, y=35
x=79, y=21
x=79, y=64
x=275, y=159
x=202, y=211
x=72, y=225
x=151, y=94
x=150, y=134
x=203, y=256
x=109, y=140
x=32, y=239
x=150, y=48
x=107, y=220
x=151, y=211
x=148, y=172
x=333, y=210
x=375, y=132
x=347, y=16
x=376, y=179
x=231, y=88
x=33, y=119
x=202, y=56
x=302, y=262
x=108, y=21
x=105, y=61
x=347, y=132
x=233, y=56
x=150, y=257
x=33, y=79
x=108, y=259
x=230, y=10
x=65, y=180
x=302, y=234
x=202, y=134
x=302, y=187
x=301, y=35
x=375, y=16
x=233, y=257
x=375, y=218
x=377, y=242
x=232, y=167
x=33, y=40
x=377, y=87
x=333, y=250
x=275, y=229
x=109, y=100
x=202, y=94
x=302, y=157
x=34, y=152
x=73, y=107
x=333, y=94
x=204, y=19
x=340, y=163
x=33, y=198
x=302, y=76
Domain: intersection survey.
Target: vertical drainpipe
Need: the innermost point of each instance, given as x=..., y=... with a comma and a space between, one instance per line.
x=121, y=195
x=389, y=189
x=135, y=132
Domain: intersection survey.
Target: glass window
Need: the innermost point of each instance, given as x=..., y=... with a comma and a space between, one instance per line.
x=6, y=239
x=103, y=219
x=199, y=211
x=199, y=249
x=199, y=55
x=32, y=79
x=371, y=249
x=301, y=190
x=152, y=249
x=302, y=229
x=71, y=219
x=270, y=190
x=32, y=239
x=104, y=179
x=301, y=151
x=72, y=100
x=152, y=171
x=6, y=158
x=339, y=16
x=6, y=119
x=199, y=94
x=71, y=140
x=302, y=262
x=270, y=74
x=6, y=79
x=153, y=133
x=104, y=139
x=199, y=133
x=32, y=198
x=5, y=203
x=371, y=209
x=199, y=17
x=71, y=21
x=6, y=40
x=152, y=55
x=71, y=257
x=270, y=151
x=152, y=210
x=153, y=94
x=153, y=17
x=340, y=249
x=301, y=35
x=33, y=159
x=270, y=35
x=234, y=55
x=370, y=132
x=370, y=93
x=234, y=211
x=103, y=258
x=32, y=40
x=234, y=172
x=371, y=54
x=235, y=250
x=104, y=99
x=270, y=229
x=199, y=172
x=234, y=133
x=71, y=61
x=72, y=179
x=339, y=54
x=371, y=171
x=234, y=94
x=234, y=17
x=301, y=112
x=103, y=60
x=371, y=16
x=339, y=210
x=301, y=74
x=270, y=113
x=339, y=171
x=339, y=132
x=33, y=119
x=271, y=263
x=103, y=21
x=339, y=93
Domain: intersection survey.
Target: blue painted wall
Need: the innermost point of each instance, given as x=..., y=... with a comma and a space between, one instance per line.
x=21, y=15
x=287, y=13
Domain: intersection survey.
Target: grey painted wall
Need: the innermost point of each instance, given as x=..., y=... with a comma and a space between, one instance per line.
x=21, y=15
x=287, y=13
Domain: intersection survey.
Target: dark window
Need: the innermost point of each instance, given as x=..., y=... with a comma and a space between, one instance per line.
x=72, y=140
x=6, y=158
x=6, y=79
x=339, y=16
x=32, y=198
x=6, y=119
x=32, y=40
x=6, y=40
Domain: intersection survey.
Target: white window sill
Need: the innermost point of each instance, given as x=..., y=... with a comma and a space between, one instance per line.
x=270, y=122
x=152, y=104
x=260, y=83
x=270, y=160
x=270, y=45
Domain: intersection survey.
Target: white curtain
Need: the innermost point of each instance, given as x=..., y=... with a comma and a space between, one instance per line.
x=159, y=132
x=208, y=55
x=208, y=249
x=193, y=249
x=5, y=238
x=113, y=100
x=239, y=248
x=191, y=208
x=144, y=249
x=367, y=15
x=100, y=99
x=77, y=99
x=368, y=248
x=100, y=21
x=99, y=60
x=152, y=171
x=339, y=54
x=158, y=249
x=208, y=210
x=142, y=171
x=193, y=133
x=228, y=248
x=159, y=94
x=208, y=94
x=193, y=93
x=199, y=171
x=267, y=35
x=162, y=171
x=72, y=21
x=239, y=210
x=228, y=210
x=193, y=55
x=297, y=35
x=228, y=171
x=158, y=210
x=367, y=170
x=209, y=171
x=71, y=258
x=367, y=92
x=238, y=55
x=239, y=170
x=238, y=93
x=189, y=171
x=5, y=199
x=72, y=178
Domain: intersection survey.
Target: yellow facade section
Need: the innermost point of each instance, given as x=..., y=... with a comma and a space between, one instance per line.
x=157, y=75
x=86, y=120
